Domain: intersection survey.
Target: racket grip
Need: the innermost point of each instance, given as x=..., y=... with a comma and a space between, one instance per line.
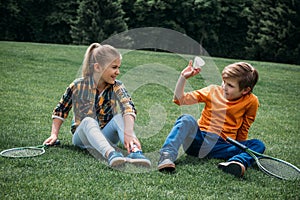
x=57, y=142
x=236, y=143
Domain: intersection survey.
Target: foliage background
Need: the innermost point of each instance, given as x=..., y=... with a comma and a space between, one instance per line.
x=259, y=30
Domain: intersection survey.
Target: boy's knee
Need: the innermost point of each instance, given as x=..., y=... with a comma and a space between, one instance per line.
x=260, y=146
x=187, y=118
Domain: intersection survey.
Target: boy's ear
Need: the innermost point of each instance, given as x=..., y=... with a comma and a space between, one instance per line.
x=246, y=91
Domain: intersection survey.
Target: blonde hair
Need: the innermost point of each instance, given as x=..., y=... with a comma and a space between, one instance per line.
x=246, y=75
x=101, y=54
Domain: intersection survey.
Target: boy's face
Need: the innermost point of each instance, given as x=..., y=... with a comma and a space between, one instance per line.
x=232, y=90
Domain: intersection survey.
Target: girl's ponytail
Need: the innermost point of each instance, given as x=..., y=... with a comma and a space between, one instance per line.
x=89, y=60
x=97, y=53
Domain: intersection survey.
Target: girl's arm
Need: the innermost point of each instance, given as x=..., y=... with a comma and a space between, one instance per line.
x=56, y=124
x=60, y=112
x=129, y=136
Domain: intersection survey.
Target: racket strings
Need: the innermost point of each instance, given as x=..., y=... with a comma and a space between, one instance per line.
x=280, y=169
x=23, y=152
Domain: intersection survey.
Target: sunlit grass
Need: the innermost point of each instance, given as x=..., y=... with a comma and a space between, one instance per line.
x=34, y=76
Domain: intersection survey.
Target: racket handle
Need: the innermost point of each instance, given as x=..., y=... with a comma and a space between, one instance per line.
x=57, y=142
x=236, y=143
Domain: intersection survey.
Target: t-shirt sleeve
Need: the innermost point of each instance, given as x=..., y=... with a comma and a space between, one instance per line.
x=248, y=119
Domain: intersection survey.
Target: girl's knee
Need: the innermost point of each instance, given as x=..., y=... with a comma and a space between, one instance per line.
x=88, y=122
x=87, y=119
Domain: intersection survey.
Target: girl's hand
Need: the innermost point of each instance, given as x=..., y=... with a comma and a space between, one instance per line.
x=51, y=140
x=130, y=141
x=189, y=71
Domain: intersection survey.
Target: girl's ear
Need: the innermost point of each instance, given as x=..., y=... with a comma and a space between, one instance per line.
x=246, y=91
x=97, y=67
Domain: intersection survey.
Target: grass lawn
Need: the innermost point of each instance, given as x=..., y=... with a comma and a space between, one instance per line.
x=34, y=76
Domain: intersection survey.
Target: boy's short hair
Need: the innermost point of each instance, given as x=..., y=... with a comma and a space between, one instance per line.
x=246, y=74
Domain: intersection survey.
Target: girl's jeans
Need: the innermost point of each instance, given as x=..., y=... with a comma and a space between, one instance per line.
x=89, y=135
x=203, y=144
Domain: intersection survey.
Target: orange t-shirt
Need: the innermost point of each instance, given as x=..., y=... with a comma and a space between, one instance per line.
x=221, y=116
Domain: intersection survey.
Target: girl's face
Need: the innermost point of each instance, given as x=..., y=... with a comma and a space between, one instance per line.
x=110, y=73
x=231, y=89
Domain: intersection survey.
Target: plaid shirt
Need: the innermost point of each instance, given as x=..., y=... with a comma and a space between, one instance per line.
x=86, y=101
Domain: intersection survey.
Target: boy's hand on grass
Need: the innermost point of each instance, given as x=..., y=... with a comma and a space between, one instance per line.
x=189, y=71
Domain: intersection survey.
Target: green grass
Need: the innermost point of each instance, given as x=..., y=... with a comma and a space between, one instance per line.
x=33, y=78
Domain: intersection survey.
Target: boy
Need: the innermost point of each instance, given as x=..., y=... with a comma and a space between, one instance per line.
x=229, y=111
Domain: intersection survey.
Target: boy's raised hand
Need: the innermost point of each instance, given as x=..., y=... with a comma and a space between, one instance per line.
x=189, y=71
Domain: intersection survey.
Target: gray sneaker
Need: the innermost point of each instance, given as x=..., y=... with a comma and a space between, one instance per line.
x=116, y=159
x=165, y=163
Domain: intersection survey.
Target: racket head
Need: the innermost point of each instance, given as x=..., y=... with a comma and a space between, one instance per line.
x=198, y=62
x=23, y=152
x=278, y=168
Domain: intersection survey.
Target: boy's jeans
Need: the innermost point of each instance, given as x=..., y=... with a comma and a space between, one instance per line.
x=203, y=144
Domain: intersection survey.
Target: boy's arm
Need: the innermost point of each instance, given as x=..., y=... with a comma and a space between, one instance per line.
x=179, y=89
x=248, y=119
x=188, y=72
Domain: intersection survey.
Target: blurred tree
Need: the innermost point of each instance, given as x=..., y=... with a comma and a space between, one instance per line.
x=232, y=28
x=97, y=20
x=58, y=22
x=274, y=31
x=9, y=12
x=200, y=19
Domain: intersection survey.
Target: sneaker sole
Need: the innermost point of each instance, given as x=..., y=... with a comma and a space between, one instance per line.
x=139, y=162
x=117, y=162
x=233, y=169
x=166, y=168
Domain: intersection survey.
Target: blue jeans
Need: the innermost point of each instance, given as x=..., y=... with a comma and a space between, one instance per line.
x=203, y=144
x=89, y=135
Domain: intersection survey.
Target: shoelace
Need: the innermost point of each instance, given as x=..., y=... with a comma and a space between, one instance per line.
x=165, y=156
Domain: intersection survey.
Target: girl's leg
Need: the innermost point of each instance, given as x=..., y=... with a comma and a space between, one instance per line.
x=114, y=130
x=89, y=135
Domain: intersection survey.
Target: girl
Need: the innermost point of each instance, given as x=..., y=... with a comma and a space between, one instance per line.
x=94, y=99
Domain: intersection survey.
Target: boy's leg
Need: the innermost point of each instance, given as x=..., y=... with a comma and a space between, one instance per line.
x=245, y=158
x=212, y=146
x=225, y=150
x=183, y=132
x=238, y=160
